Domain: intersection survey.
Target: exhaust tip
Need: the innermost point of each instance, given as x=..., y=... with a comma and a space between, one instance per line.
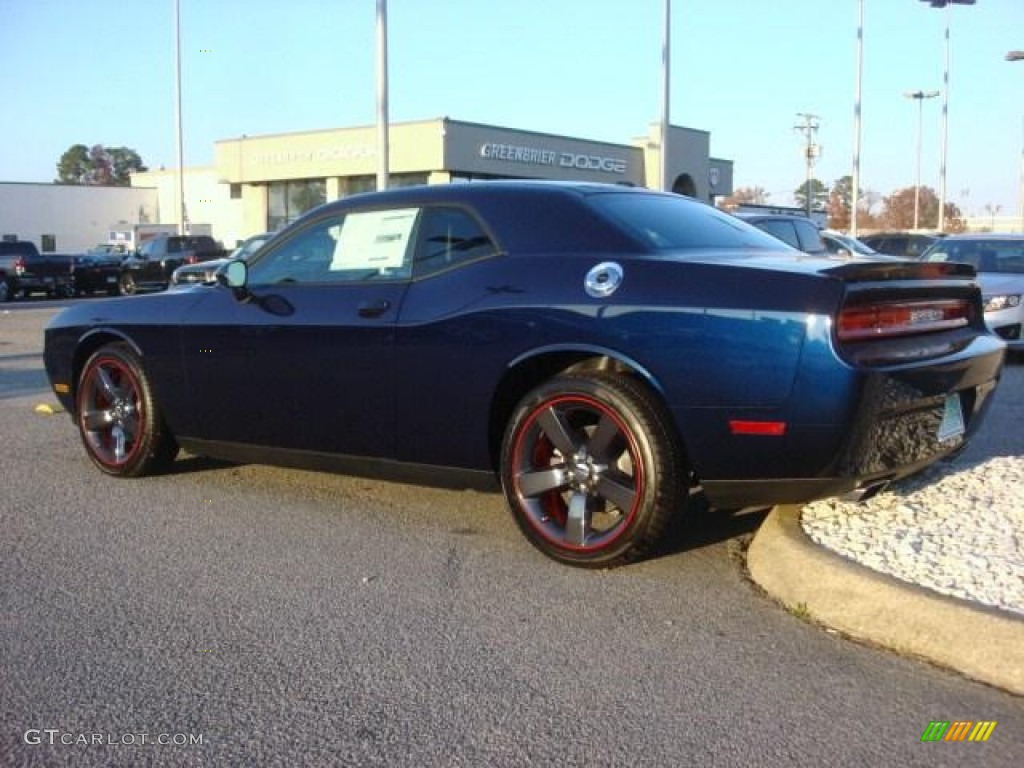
x=866, y=492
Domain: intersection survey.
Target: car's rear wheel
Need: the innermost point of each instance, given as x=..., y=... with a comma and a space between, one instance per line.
x=6, y=291
x=128, y=285
x=591, y=469
x=120, y=422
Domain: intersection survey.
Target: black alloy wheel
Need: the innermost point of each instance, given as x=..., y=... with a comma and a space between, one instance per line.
x=118, y=418
x=592, y=470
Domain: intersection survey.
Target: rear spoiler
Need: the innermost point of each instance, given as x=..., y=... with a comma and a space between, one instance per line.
x=859, y=272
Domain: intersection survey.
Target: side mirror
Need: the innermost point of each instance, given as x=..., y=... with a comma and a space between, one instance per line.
x=234, y=275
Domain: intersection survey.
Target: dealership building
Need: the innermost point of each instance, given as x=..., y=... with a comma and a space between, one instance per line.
x=261, y=183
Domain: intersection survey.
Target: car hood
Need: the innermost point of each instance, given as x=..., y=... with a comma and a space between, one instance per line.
x=994, y=282
x=203, y=266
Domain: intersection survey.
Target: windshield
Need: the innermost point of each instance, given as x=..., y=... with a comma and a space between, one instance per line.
x=857, y=246
x=667, y=222
x=1006, y=256
x=250, y=246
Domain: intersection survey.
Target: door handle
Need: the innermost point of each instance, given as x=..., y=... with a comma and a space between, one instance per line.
x=374, y=308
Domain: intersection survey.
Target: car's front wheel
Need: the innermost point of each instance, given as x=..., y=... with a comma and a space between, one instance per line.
x=128, y=285
x=592, y=470
x=120, y=422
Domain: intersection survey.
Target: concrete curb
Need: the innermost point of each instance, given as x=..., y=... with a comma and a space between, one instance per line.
x=981, y=643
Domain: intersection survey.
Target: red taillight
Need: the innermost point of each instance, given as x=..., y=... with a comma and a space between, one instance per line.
x=876, y=321
x=19, y=265
x=191, y=259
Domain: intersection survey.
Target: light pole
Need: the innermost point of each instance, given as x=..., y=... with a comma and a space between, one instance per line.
x=919, y=96
x=179, y=183
x=382, y=95
x=809, y=127
x=855, y=178
x=947, y=4
x=666, y=66
x=1019, y=56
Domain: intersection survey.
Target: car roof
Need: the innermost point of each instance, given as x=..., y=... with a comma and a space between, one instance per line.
x=903, y=233
x=503, y=204
x=980, y=236
x=776, y=216
x=493, y=186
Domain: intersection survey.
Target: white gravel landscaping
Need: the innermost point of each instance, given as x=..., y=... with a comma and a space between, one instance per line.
x=956, y=528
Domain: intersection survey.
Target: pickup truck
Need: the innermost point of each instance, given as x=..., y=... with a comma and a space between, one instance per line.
x=24, y=270
x=153, y=264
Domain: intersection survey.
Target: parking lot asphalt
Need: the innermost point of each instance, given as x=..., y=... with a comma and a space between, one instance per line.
x=842, y=593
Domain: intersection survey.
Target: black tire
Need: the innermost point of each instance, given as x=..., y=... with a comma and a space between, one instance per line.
x=128, y=285
x=118, y=418
x=67, y=291
x=591, y=469
x=6, y=291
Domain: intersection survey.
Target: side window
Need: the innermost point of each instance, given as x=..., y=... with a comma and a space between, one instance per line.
x=447, y=237
x=342, y=248
x=897, y=246
x=147, y=249
x=915, y=247
x=782, y=230
x=810, y=237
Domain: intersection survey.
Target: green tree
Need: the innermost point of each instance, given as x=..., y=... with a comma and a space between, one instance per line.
x=98, y=166
x=818, y=194
x=73, y=167
x=99, y=170
x=123, y=162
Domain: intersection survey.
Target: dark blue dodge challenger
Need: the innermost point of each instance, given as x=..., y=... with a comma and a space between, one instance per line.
x=601, y=350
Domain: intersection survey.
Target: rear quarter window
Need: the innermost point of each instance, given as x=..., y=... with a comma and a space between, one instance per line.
x=665, y=222
x=781, y=229
x=810, y=237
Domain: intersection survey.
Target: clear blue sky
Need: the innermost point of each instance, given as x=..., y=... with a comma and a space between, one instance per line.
x=101, y=71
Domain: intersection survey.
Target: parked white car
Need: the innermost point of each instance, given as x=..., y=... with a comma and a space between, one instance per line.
x=999, y=260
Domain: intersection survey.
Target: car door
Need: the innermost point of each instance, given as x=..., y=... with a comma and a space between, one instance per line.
x=306, y=361
x=452, y=346
x=145, y=265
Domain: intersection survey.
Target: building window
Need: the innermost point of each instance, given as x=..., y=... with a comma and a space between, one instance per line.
x=288, y=200
x=236, y=191
x=49, y=243
x=407, y=179
x=353, y=185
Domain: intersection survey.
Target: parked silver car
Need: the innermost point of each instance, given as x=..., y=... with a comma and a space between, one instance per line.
x=999, y=260
x=839, y=244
